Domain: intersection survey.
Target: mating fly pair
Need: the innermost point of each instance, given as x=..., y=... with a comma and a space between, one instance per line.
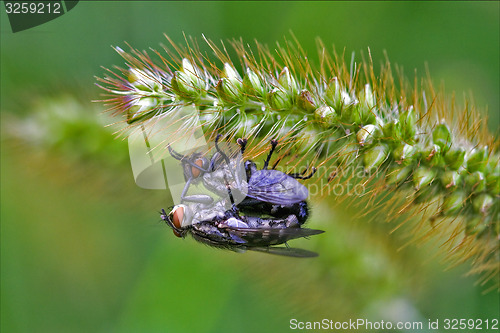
x=254, y=209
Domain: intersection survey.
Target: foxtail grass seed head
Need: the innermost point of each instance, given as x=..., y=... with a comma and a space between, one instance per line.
x=230, y=87
x=477, y=160
x=253, y=85
x=397, y=175
x=423, y=176
x=454, y=158
x=279, y=100
x=441, y=136
x=453, y=202
x=482, y=203
x=325, y=116
x=475, y=181
x=493, y=182
x=375, y=156
x=367, y=134
x=404, y=153
x=450, y=179
x=305, y=101
x=336, y=116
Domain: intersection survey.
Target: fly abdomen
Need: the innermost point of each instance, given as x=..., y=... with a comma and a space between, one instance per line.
x=210, y=234
x=299, y=209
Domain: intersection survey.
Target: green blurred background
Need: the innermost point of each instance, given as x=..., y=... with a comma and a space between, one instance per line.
x=82, y=247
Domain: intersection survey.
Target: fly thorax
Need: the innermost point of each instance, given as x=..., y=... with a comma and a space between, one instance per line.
x=292, y=222
x=188, y=216
x=215, y=182
x=233, y=222
x=211, y=213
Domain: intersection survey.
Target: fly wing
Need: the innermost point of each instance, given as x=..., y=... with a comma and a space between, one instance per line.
x=263, y=237
x=285, y=251
x=276, y=187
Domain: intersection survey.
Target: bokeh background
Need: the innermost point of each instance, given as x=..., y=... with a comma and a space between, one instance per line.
x=83, y=248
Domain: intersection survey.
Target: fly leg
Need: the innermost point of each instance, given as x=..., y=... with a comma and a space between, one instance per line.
x=274, y=143
x=198, y=198
x=234, y=208
x=175, y=154
x=301, y=175
x=224, y=156
x=186, y=159
x=233, y=169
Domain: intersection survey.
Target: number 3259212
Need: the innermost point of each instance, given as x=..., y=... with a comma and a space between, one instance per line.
x=471, y=324
x=33, y=7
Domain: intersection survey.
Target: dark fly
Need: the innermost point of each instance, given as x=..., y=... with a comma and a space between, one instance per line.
x=240, y=233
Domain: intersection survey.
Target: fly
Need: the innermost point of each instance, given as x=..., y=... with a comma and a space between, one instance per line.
x=272, y=191
x=240, y=233
x=266, y=190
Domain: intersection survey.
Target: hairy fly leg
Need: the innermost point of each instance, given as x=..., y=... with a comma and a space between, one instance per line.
x=301, y=175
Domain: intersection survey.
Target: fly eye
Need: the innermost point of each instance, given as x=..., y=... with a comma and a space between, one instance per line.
x=195, y=171
x=176, y=216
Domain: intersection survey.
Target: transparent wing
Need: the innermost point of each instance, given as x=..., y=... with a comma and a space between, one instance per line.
x=285, y=251
x=276, y=187
x=261, y=237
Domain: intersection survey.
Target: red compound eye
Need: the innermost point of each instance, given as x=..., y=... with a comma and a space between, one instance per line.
x=176, y=216
x=195, y=171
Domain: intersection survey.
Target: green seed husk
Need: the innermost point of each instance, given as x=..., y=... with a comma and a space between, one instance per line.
x=453, y=203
